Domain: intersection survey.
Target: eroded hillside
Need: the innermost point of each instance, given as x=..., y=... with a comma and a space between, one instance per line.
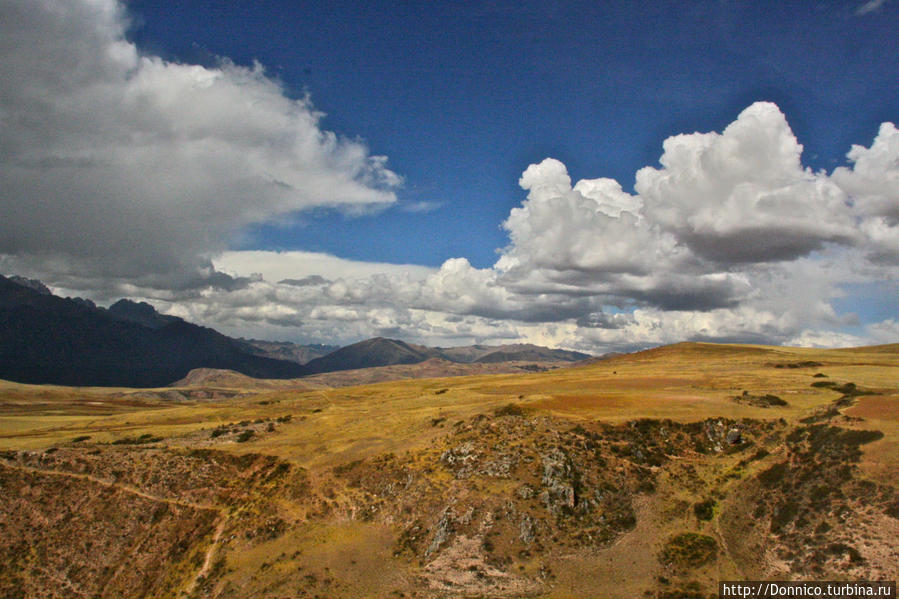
x=564, y=484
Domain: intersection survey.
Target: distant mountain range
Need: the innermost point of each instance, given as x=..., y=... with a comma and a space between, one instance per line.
x=48, y=339
x=284, y=350
x=388, y=352
x=71, y=341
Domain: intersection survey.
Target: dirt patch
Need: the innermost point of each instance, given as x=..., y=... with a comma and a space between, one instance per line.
x=875, y=407
x=462, y=569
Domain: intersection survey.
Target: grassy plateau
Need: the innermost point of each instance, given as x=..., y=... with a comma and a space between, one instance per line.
x=650, y=474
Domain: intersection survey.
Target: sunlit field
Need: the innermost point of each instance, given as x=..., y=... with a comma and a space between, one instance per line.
x=576, y=481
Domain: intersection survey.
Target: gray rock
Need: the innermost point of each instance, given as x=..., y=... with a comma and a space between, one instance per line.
x=526, y=530
x=526, y=491
x=462, y=459
x=559, y=477
x=444, y=530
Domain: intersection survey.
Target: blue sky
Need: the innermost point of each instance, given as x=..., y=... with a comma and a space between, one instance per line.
x=596, y=176
x=462, y=96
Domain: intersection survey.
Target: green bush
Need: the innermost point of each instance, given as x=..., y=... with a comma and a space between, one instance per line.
x=705, y=510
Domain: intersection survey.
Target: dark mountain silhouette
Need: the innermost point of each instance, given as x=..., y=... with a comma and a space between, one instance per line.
x=31, y=284
x=48, y=339
x=141, y=313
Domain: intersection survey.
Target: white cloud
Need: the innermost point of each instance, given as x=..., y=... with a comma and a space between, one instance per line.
x=873, y=186
x=885, y=331
x=826, y=339
x=564, y=228
x=126, y=175
x=743, y=196
x=120, y=165
x=296, y=265
x=873, y=180
x=422, y=207
x=592, y=267
x=870, y=6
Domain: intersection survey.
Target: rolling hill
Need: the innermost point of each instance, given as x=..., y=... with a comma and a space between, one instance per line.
x=388, y=352
x=369, y=353
x=649, y=474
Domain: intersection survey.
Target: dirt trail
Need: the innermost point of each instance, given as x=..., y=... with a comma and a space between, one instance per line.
x=213, y=545
x=118, y=486
x=207, y=560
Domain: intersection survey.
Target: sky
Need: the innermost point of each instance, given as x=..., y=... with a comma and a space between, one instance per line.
x=595, y=176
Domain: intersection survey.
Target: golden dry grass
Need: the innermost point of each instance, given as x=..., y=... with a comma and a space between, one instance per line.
x=683, y=382
x=330, y=427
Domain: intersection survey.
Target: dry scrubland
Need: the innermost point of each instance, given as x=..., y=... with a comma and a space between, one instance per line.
x=652, y=474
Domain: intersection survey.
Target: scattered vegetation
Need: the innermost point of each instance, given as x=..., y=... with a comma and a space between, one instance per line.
x=705, y=510
x=689, y=550
x=141, y=440
x=847, y=389
x=800, y=364
x=763, y=401
x=370, y=497
x=509, y=410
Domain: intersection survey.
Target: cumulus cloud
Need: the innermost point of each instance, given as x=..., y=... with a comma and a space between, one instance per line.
x=122, y=174
x=872, y=183
x=592, y=267
x=742, y=195
x=593, y=227
x=119, y=165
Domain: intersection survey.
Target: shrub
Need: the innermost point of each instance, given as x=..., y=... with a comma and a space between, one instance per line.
x=509, y=410
x=690, y=550
x=144, y=438
x=773, y=475
x=824, y=384
x=705, y=510
x=245, y=436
